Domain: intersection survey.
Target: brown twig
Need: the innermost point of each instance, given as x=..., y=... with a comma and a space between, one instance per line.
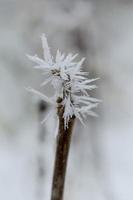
x=63, y=146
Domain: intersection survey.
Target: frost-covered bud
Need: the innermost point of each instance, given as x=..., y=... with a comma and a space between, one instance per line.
x=71, y=84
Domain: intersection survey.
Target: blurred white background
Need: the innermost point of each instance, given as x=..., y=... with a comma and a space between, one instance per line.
x=101, y=161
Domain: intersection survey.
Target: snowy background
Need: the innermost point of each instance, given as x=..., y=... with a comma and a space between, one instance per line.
x=101, y=160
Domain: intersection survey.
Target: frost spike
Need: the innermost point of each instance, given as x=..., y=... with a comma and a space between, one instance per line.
x=80, y=63
x=36, y=59
x=46, y=118
x=42, y=96
x=46, y=82
x=46, y=49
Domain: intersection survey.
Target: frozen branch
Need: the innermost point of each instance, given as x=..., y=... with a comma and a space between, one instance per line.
x=71, y=99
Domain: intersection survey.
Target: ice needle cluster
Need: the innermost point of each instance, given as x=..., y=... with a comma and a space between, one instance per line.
x=70, y=83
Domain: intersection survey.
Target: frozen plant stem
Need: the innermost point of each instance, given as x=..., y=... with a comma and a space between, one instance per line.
x=62, y=151
x=71, y=97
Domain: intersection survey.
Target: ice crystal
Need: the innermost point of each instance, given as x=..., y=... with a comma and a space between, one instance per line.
x=69, y=81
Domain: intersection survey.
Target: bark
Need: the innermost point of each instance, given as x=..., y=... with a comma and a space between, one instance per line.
x=62, y=151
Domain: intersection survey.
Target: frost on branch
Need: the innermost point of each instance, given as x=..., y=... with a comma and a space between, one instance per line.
x=69, y=81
